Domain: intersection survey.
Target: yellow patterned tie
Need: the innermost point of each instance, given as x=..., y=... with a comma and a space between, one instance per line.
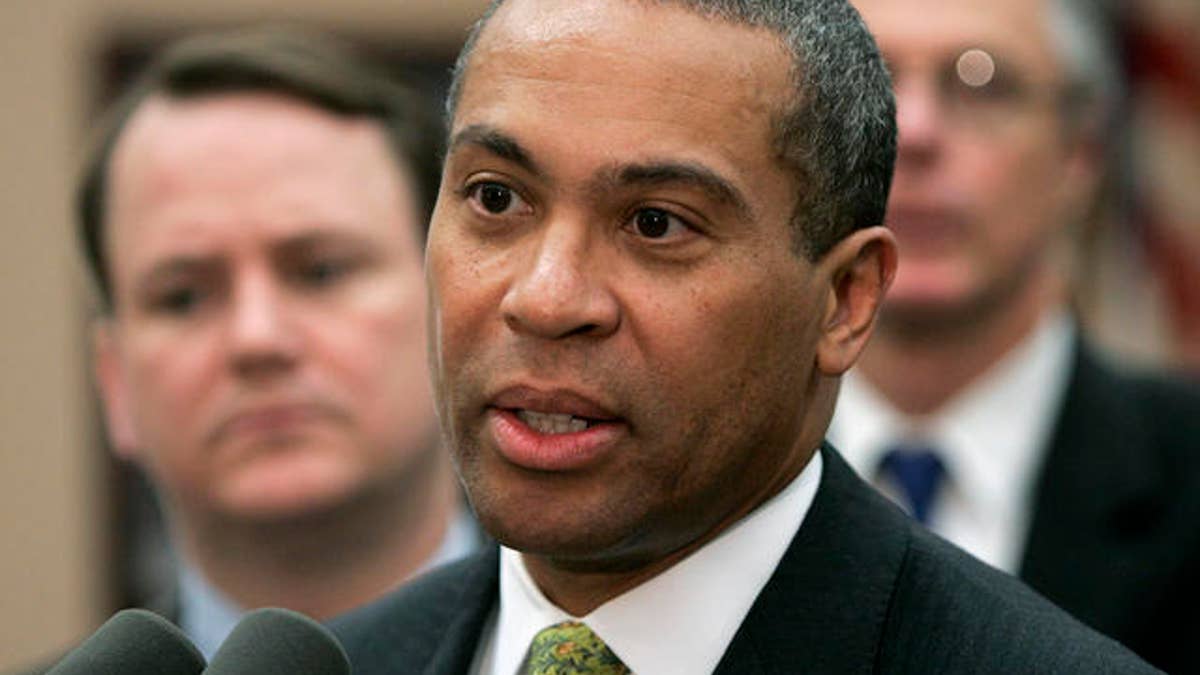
x=571, y=648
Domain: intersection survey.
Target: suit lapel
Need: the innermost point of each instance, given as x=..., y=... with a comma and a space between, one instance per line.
x=824, y=608
x=431, y=626
x=466, y=617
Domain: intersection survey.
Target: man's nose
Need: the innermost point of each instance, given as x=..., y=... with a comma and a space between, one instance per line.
x=921, y=121
x=261, y=337
x=560, y=288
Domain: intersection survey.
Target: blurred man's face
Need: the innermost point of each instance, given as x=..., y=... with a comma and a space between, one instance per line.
x=266, y=356
x=624, y=343
x=986, y=175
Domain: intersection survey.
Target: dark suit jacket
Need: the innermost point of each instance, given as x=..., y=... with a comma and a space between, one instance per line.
x=1115, y=535
x=861, y=589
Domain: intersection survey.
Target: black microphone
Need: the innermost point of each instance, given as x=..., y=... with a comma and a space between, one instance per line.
x=133, y=641
x=275, y=641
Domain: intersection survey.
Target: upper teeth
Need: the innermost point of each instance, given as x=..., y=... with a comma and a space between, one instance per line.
x=552, y=423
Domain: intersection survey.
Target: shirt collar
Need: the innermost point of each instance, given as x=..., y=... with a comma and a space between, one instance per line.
x=206, y=615
x=990, y=436
x=692, y=610
x=999, y=427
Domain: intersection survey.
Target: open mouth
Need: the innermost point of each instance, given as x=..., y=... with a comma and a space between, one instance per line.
x=554, y=423
x=572, y=437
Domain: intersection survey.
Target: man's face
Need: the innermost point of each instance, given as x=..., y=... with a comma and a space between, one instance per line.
x=266, y=356
x=986, y=176
x=623, y=343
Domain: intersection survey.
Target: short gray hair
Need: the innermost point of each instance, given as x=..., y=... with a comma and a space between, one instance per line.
x=1082, y=34
x=837, y=135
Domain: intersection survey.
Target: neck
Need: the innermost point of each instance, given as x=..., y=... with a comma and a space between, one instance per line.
x=323, y=564
x=579, y=587
x=919, y=365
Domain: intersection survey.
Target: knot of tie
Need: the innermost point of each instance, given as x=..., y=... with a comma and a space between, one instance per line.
x=571, y=648
x=918, y=472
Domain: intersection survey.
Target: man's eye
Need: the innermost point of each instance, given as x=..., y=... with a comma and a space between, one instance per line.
x=496, y=198
x=178, y=301
x=657, y=224
x=977, y=80
x=322, y=272
x=998, y=90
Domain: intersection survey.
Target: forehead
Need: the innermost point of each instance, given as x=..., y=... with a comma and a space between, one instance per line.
x=935, y=29
x=650, y=27
x=243, y=160
x=649, y=74
x=611, y=45
x=228, y=139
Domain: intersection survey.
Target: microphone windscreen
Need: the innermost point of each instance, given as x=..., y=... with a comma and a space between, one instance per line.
x=133, y=641
x=275, y=641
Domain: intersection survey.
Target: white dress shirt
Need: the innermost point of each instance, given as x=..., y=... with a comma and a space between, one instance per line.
x=991, y=439
x=678, y=623
x=207, y=615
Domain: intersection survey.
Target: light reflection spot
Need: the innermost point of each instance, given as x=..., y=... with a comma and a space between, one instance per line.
x=975, y=68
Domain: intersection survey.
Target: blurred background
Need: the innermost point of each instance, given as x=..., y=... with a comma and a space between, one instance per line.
x=79, y=534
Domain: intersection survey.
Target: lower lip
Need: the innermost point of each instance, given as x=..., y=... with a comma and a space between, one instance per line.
x=271, y=422
x=522, y=445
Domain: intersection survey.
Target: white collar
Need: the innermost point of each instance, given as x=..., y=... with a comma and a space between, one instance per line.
x=206, y=614
x=680, y=622
x=991, y=437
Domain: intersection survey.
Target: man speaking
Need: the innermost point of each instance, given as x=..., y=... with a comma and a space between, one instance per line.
x=656, y=248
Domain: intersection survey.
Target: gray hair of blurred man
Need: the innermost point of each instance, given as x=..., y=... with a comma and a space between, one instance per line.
x=837, y=135
x=311, y=67
x=1082, y=32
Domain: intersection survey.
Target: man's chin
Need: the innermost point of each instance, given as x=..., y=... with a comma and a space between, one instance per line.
x=578, y=555
x=283, y=493
x=571, y=542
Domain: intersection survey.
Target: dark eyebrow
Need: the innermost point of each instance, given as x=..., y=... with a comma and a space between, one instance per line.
x=650, y=173
x=317, y=237
x=496, y=142
x=174, y=267
x=695, y=175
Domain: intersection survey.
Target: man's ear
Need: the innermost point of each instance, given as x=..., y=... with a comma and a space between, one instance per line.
x=113, y=384
x=1083, y=175
x=860, y=269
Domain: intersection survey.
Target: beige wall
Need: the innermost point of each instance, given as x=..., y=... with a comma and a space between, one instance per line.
x=52, y=505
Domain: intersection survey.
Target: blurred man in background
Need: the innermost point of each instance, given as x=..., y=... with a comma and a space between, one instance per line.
x=255, y=218
x=978, y=404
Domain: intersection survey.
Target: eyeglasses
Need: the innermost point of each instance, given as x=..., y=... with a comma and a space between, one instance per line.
x=977, y=91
